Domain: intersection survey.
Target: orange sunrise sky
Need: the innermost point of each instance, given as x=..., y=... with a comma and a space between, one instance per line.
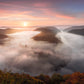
x=41, y=12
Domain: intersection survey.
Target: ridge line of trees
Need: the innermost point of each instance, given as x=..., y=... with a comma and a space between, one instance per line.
x=16, y=78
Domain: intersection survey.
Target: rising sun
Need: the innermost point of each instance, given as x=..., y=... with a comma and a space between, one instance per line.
x=25, y=24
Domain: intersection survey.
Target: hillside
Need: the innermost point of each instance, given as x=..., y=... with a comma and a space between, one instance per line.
x=76, y=30
x=16, y=78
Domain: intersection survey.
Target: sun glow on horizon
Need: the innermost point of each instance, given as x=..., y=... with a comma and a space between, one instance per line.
x=25, y=24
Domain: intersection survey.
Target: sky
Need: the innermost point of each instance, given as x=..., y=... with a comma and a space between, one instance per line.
x=41, y=12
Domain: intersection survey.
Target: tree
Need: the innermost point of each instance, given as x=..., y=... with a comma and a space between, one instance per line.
x=56, y=79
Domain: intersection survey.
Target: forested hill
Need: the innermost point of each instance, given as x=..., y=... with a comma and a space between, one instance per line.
x=16, y=78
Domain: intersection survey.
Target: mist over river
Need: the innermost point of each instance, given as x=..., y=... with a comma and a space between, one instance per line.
x=41, y=50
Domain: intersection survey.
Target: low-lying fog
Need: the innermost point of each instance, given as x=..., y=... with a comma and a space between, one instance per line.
x=42, y=50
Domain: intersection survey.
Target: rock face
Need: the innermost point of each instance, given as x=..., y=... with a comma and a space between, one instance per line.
x=47, y=34
x=76, y=30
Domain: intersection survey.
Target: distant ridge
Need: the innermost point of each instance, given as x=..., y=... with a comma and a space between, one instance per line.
x=76, y=30
x=47, y=34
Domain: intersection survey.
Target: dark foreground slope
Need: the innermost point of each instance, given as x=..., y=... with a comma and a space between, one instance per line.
x=16, y=78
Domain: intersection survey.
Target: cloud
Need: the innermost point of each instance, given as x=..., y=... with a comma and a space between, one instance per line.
x=23, y=54
x=53, y=12
x=57, y=14
x=31, y=55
